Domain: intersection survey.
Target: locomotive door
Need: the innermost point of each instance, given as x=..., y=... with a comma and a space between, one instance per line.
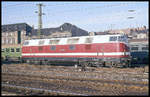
x=100, y=50
x=8, y=50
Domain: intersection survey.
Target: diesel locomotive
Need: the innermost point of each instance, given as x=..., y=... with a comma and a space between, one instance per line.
x=99, y=50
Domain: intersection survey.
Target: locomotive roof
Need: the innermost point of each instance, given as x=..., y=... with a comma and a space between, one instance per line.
x=72, y=40
x=81, y=37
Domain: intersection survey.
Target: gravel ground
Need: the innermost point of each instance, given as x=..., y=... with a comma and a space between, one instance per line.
x=124, y=74
x=79, y=87
x=132, y=76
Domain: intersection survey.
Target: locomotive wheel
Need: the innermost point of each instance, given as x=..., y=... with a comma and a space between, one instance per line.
x=104, y=64
x=113, y=64
x=90, y=64
x=40, y=62
x=125, y=65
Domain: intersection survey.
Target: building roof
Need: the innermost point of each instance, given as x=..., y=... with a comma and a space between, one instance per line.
x=137, y=30
x=138, y=40
x=45, y=31
x=101, y=33
x=16, y=27
x=65, y=27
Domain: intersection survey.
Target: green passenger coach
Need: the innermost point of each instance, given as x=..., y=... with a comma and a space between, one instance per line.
x=11, y=53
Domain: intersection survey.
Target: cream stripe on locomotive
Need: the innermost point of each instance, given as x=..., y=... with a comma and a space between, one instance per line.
x=71, y=54
x=77, y=40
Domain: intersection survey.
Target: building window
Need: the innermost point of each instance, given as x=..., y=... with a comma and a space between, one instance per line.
x=6, y=34
x=11, y=34
x=7, y=49
x=144, y=48
x=2, y=50
x=9, y=41
x=12, y=50
x=72, y=47
x=17, y=49
x=3, y=34
x=6, y=41
x=53, y=47
x=13, y=40
x=3, y=41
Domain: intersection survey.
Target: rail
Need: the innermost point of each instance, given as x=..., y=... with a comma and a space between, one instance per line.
x=42, y=90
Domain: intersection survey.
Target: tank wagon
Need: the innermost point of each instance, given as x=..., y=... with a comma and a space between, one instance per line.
x=99, y=50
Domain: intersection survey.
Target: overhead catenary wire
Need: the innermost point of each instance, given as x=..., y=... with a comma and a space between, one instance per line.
x=14, y=5
x=65, y=11
x=72, y=10
x=68, y=11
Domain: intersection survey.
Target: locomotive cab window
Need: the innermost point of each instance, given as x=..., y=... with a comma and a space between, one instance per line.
x=121, y=38
x=113, y=38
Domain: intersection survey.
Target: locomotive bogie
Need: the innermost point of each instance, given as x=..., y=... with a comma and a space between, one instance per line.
x=92, y=62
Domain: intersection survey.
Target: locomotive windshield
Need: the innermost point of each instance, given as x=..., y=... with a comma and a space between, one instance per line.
x=118, y=38
x=113, y=38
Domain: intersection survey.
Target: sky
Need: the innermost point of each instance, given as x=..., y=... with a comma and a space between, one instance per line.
x=89, y=16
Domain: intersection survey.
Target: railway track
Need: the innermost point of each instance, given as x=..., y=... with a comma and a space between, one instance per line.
x=74, y=79
x=36, y=91
x=103, y=74
x=64, y=86
x=36, y=83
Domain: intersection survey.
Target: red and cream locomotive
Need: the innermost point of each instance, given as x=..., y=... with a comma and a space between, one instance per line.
x=99, y=50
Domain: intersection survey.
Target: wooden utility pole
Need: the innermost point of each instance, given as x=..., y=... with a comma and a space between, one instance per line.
x=39, y=19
